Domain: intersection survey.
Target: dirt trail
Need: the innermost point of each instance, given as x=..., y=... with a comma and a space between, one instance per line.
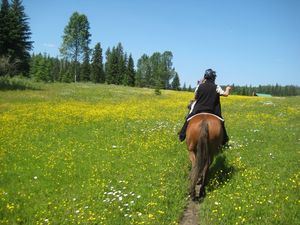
x=190, y=215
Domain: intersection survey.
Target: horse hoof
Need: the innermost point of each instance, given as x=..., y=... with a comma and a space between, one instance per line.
x=202, y=194
x=195, y=199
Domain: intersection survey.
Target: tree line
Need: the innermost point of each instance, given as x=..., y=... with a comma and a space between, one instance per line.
x=274, y=90
x=78, y=62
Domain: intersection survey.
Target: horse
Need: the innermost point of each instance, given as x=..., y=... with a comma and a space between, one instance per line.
x=204, y=137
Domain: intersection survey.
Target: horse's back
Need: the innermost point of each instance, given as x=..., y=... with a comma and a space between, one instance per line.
x=215, y=131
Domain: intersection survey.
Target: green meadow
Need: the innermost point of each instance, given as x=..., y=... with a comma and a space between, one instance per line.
x=105, y=154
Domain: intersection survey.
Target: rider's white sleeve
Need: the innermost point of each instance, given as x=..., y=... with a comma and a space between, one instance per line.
x=220, y=90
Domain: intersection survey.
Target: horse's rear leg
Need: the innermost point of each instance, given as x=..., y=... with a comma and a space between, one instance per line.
x=193, y=182
x=203, y=179
x=193, y=179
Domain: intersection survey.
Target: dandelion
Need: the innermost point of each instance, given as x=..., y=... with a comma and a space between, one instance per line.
x=150, y=216
x=10, y=207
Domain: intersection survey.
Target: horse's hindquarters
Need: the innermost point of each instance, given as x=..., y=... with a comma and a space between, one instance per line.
x=204, y=136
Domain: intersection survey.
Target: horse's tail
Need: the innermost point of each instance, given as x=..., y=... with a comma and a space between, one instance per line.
x=202, y=157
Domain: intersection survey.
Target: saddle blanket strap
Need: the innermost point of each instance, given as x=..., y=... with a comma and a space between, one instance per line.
x=205, y=114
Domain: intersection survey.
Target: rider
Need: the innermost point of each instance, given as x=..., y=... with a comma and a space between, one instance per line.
x=207, y=99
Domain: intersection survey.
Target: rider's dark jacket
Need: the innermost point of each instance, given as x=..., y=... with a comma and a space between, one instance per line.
x=208, y=99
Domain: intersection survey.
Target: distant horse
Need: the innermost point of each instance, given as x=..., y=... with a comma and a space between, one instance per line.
x=204, y=137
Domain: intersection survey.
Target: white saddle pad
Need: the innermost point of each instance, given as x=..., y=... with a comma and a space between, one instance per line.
x=205, y=114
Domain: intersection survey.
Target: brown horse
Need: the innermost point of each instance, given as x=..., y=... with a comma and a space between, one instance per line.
x=204, y=137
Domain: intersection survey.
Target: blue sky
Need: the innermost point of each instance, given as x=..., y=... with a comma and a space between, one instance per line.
x=247, y=42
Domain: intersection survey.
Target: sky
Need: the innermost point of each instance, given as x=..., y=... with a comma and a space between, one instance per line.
x=247, y=42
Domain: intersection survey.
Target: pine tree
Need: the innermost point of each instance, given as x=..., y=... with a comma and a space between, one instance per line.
x=55, y=68
x=176, y=83
x=21, y=36
x=121, y=59
x=97, y=72
x=66, y=71
x=85, y=66
x=184, y=87
x=41, y=68
x=15, y=35
x=5, y=27
x=130, y=74
x=113, y=67
x=123, y=69
x=108, y=72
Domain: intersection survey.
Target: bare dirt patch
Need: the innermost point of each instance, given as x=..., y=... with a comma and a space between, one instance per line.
x=190, y=215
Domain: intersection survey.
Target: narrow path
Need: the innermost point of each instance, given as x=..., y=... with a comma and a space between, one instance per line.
x=190, y=215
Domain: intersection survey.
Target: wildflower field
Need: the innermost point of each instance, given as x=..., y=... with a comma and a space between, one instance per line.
x=100, y=154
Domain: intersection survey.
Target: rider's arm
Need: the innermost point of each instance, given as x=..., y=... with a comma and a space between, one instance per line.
x=223, y=93
x=227, y=91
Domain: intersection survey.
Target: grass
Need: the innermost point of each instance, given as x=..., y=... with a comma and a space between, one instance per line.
x=99, y=154
x=262, y=185
x=16, y=83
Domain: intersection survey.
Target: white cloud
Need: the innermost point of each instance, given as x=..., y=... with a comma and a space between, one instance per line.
x=49, y=45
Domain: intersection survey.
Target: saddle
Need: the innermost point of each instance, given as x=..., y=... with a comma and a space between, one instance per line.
x=203, y=113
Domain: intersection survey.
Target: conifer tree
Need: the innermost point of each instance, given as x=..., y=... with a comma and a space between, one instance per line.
x=15, y=35
x=97, y=72
x=5, y=27
x=55, y=69
x=113, y=67
x=176, y=83
x=184, y=87
x=121, y=59
x=20, y=36
x=108, y=72
x=85, y=66
x=130, y=72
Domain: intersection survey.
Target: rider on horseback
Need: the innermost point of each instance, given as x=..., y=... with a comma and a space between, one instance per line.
x=207, y=99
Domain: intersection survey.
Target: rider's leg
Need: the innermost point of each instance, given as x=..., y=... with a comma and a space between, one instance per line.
x=225, y=136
